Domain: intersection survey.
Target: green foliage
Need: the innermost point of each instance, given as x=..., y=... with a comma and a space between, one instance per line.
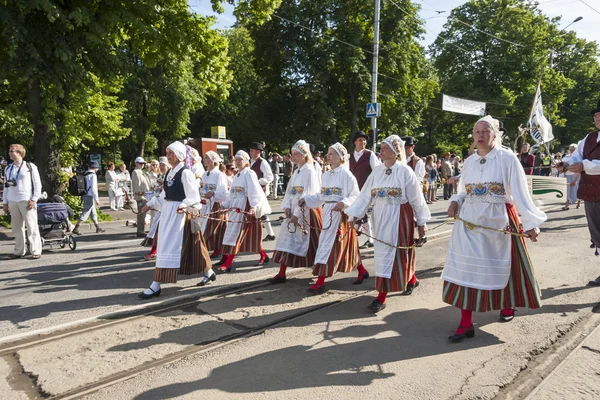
x=5, y=221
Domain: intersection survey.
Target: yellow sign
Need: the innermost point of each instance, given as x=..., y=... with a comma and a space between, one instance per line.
x=217, y=132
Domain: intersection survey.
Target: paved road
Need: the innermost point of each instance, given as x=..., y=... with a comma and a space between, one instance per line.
x=340, y=350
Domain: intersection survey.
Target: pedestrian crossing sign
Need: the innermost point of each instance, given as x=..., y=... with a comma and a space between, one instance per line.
x=373, y=110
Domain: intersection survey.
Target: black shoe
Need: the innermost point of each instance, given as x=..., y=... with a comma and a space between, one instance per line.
x=595, y=282
x=376, y=306
x=223, y=270
x=318, y=290
x=76, y=232
x=268, y=238
x=459, y=337
x=264, y=261
x=100, y=230
x=362, y=279
x=145, y=296
x=276, y=279
x=410, y=288
x=220, y=263
x=207, y=279
x=367, y=245
x=140, y=234
x=507, y=318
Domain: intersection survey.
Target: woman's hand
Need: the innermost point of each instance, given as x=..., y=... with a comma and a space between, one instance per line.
x=180, y=209
x=301, y=202
x=287, y=212
x=533, y=234
x=422, y=230
x=208, y=195
x=453, y=210
x=339, y=207
x=294, y=220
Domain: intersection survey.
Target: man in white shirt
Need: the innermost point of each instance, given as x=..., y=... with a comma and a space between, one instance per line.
x=413, y=160
x=22, y=188
x=261, y=167
x=585, y=160
x=140, y=184
x=90, y=198
x=362, y=163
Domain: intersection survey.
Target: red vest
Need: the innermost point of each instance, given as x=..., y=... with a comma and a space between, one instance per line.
x=256, y=167
x=589, y=186
x=361, y=169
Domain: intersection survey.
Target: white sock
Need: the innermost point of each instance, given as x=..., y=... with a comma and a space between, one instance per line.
x=267, y=225
x=209, y=273
x=154, y=287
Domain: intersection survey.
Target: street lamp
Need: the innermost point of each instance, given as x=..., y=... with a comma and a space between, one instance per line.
x=575, y=20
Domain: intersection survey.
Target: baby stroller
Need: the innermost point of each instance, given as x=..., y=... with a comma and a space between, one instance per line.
x=53, y=222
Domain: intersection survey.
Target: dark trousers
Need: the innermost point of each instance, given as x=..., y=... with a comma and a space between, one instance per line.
x=286, y=180
x=592, y=212
x=448, y=189
x=141, y=218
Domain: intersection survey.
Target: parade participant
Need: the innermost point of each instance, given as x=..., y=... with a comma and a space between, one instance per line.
x=338, y=243
x=213, y=192
x=397, y=200
x=362, y=163
x=487, y=269
x=244, y=233
x=295, y=248
x=586, y=161
x=179, y=193
x=90, y=199
x=196, y=165
x=22, y=189
x=140, y=186
x=112, y=185
x=413, y=160
x=572, y=180
x=527, y=160
x=151, y=239
x=263, y=172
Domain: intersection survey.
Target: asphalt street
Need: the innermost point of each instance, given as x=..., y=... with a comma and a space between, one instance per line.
x=339, y=350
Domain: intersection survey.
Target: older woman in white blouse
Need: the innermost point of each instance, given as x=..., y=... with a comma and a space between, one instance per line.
x=397, y=199
x=487, y=269
x=295, y=248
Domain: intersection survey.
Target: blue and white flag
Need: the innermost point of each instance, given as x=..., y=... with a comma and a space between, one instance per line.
x=540, y=128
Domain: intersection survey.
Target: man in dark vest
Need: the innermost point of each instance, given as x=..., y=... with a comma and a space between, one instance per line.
x=265, y=176
x=413, y=160
x=362, y=163
x=586, y=161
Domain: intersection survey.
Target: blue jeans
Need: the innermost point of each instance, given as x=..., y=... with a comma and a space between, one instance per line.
x=89, y=209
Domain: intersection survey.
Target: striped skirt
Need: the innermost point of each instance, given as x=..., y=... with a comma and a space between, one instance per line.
x=405, y=259
x=294, y=261
x=522, y=289
x=250, y=237
x=344, y=256
x=215, y=229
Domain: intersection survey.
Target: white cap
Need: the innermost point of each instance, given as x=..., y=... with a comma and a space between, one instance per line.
x=140, y=160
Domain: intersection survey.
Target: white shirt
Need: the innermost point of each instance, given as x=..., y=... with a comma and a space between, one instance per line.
x=23, y=191
x=481, y=258
x=590, y=167
x=373, y=161
x=268, y=177
x=419, y=168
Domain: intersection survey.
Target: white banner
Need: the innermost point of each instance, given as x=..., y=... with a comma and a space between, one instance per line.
x=462, y=106
x=541, y=130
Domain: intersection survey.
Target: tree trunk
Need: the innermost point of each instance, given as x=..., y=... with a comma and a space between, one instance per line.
x=141, y=137
x=47, y=157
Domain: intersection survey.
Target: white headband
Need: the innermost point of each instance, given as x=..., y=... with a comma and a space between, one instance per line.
x=302, y=147
x=493, y=123
x=340, y=150
x=243, y=155
x=214, y=157
x=395, y=143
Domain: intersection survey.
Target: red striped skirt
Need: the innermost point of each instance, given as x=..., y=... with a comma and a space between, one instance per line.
x=215, y=229
x=250, y=237
x=344, y=256
x=294, y=261
x=405, y=259
x=522, y=289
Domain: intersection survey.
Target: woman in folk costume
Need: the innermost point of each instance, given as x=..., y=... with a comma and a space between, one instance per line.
x=151, y=239
x=213, y=192
x=295, y=248
x=338, y=243
x=395, y=194
x=244, y=232
x=175, y=230
x=485, y=269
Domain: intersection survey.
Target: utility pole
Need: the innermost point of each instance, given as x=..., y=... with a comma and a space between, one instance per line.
x=375, y=65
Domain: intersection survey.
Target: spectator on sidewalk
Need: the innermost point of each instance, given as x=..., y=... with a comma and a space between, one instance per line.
x=140, y=186
x=274, y=164
x=22, y=189
x=446, y=173
x=115, y=193
x=288, y=168
x=90, y=198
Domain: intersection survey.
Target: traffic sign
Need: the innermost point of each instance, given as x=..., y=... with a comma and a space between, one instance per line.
x=373, y=110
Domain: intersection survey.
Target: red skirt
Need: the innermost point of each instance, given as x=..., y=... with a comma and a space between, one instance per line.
x=344, y=256
x=294, y=261
x=215, y=229
x=522, y=289
x=405, y=259
x=250, y=237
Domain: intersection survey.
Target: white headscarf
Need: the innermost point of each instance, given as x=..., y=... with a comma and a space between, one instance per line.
x=243, y=155
x=214, y=156
x=302, y=147
x=495, y=124
x=179, y=149
x=397, y=146
x=340, y=150
x=195, y=155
